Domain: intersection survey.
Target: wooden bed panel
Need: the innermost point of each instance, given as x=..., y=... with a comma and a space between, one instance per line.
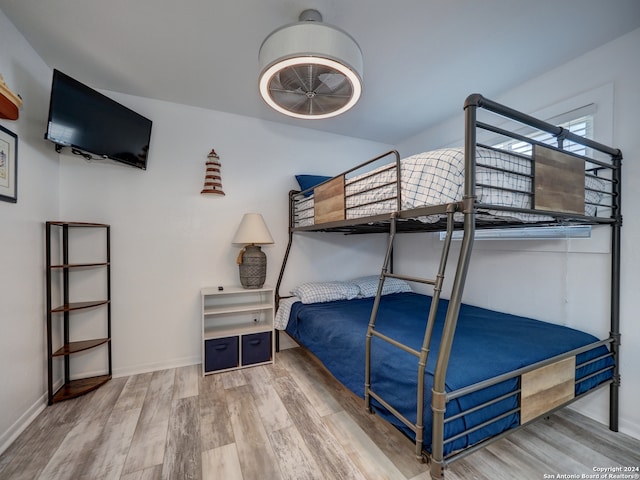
x=546, y=388
x=329, y=205
x=559, y=181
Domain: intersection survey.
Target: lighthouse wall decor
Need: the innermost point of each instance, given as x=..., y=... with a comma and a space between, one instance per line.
x=212, y=178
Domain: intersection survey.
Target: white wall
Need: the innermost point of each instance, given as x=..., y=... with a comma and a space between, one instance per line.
x=22, y=297
x=564, y=282
x=168, y=240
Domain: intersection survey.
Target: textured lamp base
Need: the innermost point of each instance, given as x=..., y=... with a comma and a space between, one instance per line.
x=253, y=269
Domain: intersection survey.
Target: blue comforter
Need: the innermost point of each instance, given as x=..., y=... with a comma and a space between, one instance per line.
x=486, y=344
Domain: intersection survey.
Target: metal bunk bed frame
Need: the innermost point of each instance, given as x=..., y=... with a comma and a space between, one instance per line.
x=399, y=221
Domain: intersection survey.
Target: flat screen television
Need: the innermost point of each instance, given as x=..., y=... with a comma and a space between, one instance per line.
x=92, y=124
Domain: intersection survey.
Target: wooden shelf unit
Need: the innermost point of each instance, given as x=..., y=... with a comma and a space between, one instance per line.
x=75, y=388
x=237, y=328
x=59, y=274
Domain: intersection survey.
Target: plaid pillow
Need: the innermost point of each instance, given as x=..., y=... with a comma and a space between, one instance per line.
x=317, y=292
x=369, y=286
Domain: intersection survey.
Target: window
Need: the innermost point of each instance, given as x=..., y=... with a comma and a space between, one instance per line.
x=579, y=121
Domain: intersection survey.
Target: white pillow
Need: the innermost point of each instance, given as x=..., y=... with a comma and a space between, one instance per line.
x=317, y=292
x=369, y=286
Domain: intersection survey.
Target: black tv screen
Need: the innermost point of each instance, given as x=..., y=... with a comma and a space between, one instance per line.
x=93, y=124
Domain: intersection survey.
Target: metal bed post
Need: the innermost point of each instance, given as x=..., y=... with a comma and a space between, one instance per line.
x=438, y=399
x=426, y=341
x=284, y=261
x=614, y=388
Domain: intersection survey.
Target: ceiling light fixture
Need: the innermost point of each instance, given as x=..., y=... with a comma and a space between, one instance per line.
x=310, y=70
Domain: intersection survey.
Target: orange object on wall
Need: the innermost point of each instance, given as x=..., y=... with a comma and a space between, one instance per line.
x=9, y=102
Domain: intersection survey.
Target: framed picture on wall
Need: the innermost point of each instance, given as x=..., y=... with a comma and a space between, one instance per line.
x=8, y=166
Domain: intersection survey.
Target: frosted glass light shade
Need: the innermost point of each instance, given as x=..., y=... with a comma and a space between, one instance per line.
x=252, y=230
x=310, y=70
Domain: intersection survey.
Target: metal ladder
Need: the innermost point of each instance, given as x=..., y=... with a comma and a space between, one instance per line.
x=421, y=355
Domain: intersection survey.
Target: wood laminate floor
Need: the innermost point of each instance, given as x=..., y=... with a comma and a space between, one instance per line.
x=290, y=420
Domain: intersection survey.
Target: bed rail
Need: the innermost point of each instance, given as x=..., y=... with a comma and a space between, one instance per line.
x=559, y=186
x=476, y=100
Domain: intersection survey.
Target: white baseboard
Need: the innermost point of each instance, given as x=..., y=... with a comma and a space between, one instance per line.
x=596, y=407
x=286, y=341
x=601, y=415
x=630, y=428
x=155, y=366
x=19, y=426
x=143, y=368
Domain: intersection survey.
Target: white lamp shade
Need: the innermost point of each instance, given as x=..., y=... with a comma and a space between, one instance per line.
x=252, y=229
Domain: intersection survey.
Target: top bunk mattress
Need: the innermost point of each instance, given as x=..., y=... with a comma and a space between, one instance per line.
x=437, y=178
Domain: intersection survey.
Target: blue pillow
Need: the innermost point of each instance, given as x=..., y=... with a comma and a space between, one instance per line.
x=310, y=181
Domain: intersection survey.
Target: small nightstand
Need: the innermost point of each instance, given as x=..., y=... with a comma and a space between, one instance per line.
x=237, y=328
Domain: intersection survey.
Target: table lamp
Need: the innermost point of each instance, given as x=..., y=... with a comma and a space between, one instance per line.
x=252, y=261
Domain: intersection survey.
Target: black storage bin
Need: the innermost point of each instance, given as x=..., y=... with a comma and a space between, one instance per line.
x=220, y=353
x=256, y=348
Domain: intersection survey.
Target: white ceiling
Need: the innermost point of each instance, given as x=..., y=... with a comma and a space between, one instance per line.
x=421, y=57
